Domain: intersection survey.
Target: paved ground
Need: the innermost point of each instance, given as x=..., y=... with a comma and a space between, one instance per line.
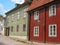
x=35, y=43
x=7, y=41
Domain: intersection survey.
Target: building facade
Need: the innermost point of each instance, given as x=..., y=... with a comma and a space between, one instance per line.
x=45, y=17
x=17, y=20
x=2, y=25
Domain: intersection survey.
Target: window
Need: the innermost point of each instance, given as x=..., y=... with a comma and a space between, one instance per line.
x=12, y=17
x=25, y=13
x=36, y=15
x=18, y=16
x=17, y=28
x=52, y=10
x=53, y=30
x=8, y=19
x=36, y=30
x=24, y=27
x=12, y=29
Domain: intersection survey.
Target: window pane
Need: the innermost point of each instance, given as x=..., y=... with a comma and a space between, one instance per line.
x=54, y=9
x=50, y=30
x=54, y=30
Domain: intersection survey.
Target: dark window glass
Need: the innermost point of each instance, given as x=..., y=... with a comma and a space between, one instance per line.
x=17, y=28
x=53, y=9
x=12, y=29
x=51, y=30
x=54, y=29
x=24, y=27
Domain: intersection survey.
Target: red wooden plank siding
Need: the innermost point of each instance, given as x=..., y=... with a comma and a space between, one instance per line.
x=53, y=20
x=45, y=20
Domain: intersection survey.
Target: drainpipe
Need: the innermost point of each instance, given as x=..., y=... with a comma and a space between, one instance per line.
x=45, y=27
x=28, y=32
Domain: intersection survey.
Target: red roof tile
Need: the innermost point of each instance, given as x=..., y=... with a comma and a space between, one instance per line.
x=38, y=3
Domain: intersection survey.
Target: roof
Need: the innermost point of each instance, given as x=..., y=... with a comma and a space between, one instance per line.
x=17, y=7
x=38, y=3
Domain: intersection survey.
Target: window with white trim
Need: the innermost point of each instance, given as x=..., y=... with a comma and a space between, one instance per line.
x=52, y=10
x=36, y=15
x=53, y=30
x=36, y=30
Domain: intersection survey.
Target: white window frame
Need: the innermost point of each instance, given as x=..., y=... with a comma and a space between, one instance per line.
x=36, y=30
x=52, y=30
x=51, y=10
x=36, y=15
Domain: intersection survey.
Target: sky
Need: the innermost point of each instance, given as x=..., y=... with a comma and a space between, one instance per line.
x=6, y=5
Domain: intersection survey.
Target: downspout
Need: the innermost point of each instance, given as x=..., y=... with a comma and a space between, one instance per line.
x=28, y=32
x=45, y=27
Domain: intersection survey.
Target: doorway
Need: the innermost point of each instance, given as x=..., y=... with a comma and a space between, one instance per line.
x=7, y=31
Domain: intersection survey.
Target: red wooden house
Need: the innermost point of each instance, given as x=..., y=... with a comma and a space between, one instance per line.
x=44, y=21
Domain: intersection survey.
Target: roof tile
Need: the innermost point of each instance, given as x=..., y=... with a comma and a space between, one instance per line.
x=38, y=3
